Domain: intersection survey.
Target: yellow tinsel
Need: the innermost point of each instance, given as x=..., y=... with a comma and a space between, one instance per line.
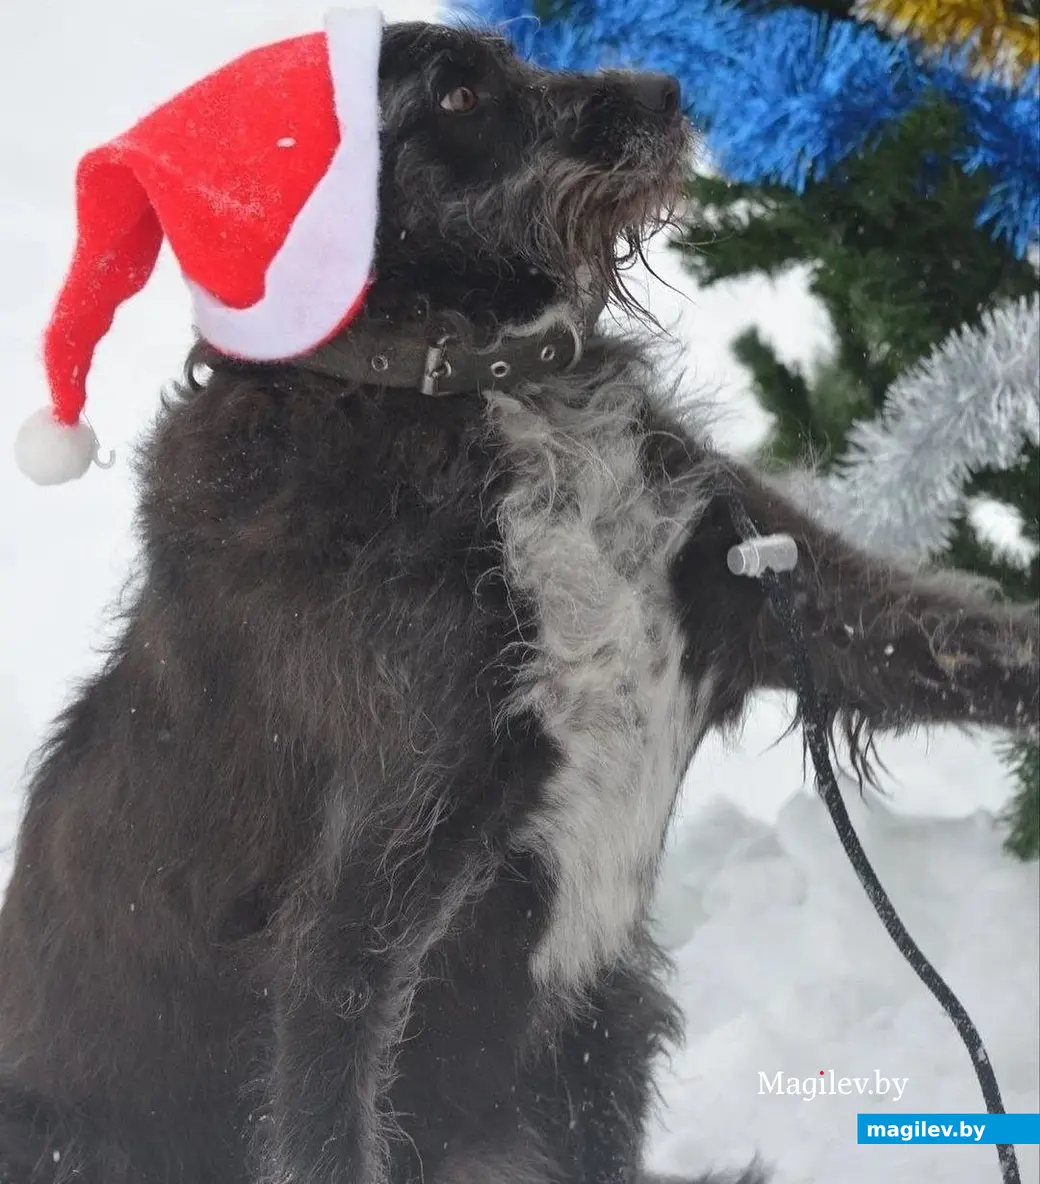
x=1001, y=39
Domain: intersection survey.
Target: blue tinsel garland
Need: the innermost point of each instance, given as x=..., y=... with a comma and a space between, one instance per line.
x=786, y=95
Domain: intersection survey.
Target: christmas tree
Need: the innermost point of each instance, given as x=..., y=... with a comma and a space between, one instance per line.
x=891, y=148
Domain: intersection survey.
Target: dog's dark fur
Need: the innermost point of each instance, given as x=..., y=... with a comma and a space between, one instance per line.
x=339, y=870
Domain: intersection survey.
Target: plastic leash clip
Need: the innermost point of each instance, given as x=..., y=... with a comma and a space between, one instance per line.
x=771, y=552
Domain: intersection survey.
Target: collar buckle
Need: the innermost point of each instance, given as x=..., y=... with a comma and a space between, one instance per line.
x=435, y=367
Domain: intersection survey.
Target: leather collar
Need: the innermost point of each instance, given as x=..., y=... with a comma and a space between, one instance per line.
x=405, y=357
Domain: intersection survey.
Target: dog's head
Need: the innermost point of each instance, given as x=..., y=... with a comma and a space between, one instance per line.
x=505, y=187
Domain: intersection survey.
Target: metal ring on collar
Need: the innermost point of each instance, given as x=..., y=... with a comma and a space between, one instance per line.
x=578, y=337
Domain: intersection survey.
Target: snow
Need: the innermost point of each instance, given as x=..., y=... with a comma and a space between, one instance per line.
x=781, y=965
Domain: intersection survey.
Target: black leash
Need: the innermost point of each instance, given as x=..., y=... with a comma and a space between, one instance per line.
x=815, y=728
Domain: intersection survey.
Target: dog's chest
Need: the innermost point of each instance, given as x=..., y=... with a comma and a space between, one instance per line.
x=587, y=542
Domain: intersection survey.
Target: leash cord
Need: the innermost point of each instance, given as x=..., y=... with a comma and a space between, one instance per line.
x=815, y=728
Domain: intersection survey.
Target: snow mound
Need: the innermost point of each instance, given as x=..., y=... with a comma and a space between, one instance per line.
x=783, y=967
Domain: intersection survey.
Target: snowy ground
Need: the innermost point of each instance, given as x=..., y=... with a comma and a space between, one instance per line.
x=781, y=965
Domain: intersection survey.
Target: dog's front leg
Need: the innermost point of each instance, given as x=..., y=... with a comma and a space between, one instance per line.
x=889, y=648
x=349, y=952
x=382, y=886
x=341, y=990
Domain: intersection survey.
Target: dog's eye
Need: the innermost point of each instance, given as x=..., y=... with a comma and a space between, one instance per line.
x=459, y=100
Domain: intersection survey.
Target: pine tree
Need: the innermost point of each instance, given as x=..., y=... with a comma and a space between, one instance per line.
x=894, y=255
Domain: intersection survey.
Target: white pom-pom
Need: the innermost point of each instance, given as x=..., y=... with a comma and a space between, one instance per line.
x=49, y=452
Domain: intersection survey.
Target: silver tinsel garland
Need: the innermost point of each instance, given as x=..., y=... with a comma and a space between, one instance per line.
x=972, y=404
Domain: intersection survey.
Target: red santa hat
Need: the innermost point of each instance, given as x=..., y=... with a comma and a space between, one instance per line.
x=263, y=178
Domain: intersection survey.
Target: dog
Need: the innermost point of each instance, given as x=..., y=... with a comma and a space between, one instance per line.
x=339, y=871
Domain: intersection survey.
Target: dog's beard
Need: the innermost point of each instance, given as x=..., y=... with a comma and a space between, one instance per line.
x=581, y=223
x=586, y=220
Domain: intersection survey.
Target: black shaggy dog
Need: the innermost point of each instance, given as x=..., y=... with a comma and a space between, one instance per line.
x=338, y=872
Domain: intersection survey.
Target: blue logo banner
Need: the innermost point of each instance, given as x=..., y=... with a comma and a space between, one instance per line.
x=948, y=1128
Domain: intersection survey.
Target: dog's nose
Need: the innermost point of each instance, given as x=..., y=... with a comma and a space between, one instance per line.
x=660, y=93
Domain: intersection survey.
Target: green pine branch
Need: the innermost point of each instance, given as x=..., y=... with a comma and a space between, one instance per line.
x=1023, y=813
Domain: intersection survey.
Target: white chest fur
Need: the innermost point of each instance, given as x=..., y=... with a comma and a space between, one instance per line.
x=588, y=541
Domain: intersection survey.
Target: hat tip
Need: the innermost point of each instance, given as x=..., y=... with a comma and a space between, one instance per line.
x=52, y=453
